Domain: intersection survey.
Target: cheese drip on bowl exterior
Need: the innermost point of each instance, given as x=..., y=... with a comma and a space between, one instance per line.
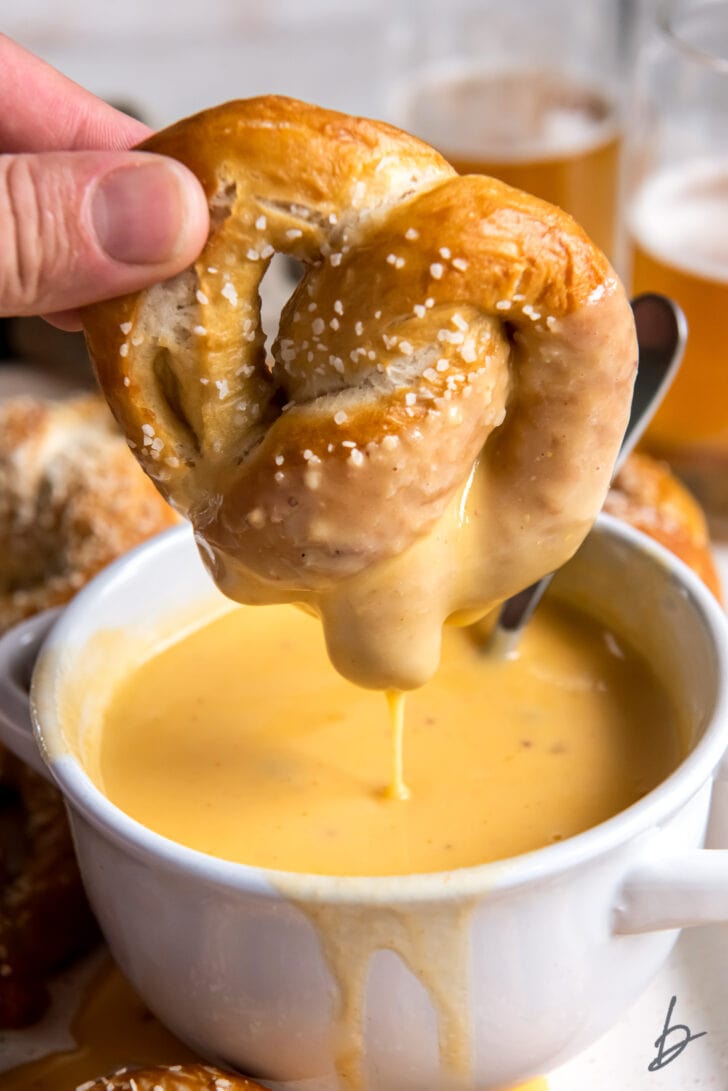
x=450, y=384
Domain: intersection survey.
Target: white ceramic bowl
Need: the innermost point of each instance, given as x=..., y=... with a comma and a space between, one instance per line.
x=462, y=980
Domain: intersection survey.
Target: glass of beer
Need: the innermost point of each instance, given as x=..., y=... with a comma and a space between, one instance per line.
x=528, y=92
x=677, y=223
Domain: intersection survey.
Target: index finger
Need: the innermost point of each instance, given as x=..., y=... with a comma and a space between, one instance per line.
x=45, y=111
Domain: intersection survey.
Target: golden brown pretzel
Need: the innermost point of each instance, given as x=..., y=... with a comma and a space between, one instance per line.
x=71, y=500
x=439, y=317
x=646, y=494
x=188, y=1077
x=44, y=918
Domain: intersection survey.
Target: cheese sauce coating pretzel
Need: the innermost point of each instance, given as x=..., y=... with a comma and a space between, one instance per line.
x=442, y=321
x=188, y=1077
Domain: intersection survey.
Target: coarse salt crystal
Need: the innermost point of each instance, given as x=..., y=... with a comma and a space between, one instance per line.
x=411, y=233
x=124, y=349
x=229, y=291
x=450, y=337
x=201, y=297
x=261, y=223
x=445, y=252
x=125, y=327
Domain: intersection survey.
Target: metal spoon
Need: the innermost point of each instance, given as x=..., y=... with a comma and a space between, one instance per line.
x=661, y=336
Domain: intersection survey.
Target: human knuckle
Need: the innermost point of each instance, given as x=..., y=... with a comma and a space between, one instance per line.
x=33, y=245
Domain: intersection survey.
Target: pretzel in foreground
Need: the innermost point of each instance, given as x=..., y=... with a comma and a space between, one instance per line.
x=442, y=322
x=188, y=1077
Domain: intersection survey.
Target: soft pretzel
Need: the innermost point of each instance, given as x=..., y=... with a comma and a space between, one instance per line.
x=188, y=1077
x=44, y=917
x=441, y=320
x=646, y=494
x=71, y=500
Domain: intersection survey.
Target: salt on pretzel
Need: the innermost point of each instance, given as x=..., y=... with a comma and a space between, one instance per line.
x=441, y=320
x=187, y=1077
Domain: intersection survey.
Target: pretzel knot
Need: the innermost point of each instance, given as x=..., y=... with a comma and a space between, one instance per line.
x=440, y=320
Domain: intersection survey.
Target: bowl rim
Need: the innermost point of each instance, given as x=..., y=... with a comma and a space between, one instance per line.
x=641, y=818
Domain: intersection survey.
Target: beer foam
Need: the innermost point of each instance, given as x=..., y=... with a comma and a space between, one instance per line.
x=680, y=217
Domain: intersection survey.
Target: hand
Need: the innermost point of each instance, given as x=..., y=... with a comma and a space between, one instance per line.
x=81, y=217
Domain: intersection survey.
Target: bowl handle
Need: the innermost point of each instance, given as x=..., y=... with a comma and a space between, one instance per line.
x=717, y=833
x=19, y=649
x=676, y=891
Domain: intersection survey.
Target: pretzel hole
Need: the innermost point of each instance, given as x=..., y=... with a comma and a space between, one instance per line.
x=171, y=391
x=509, y=332
x=221, y=203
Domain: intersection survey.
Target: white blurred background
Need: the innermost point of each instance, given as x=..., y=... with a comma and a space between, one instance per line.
x=169, y=58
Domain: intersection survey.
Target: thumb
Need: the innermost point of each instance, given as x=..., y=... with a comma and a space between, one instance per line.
x=78, y=227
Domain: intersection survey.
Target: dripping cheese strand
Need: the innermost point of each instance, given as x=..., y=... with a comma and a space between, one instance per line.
x=397, y=789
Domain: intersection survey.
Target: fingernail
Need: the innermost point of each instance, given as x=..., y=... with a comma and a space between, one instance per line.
x=141, y=213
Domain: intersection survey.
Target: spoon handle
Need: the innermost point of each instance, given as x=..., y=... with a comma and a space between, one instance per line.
x=661, y=337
